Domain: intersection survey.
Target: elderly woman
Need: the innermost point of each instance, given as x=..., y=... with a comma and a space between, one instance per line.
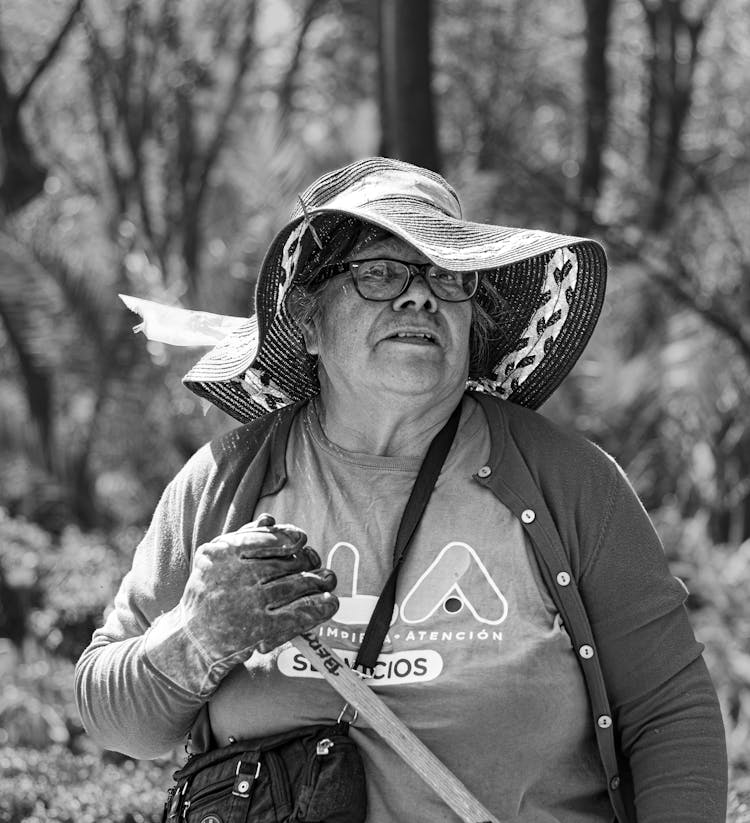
x=538, y=643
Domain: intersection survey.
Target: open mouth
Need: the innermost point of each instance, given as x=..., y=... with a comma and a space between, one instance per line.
x=414, y=337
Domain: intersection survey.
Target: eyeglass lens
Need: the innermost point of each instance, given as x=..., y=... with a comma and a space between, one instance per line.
x=387, y=279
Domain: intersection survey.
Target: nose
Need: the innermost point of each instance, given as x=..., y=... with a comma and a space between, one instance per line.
x=417, y=296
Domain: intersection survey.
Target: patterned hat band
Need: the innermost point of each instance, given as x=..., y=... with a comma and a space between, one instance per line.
x=558, y=291
x=552, y=287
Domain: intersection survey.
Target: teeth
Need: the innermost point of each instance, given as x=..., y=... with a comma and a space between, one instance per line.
x=414, y=334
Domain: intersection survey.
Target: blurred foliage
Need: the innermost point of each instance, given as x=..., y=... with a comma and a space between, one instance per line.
x=56, y=589
x=716, y=576
x=49, y=769
x=55, y=786
x=154, y=148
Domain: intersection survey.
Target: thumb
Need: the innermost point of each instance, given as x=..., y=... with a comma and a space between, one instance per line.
x=264, y=520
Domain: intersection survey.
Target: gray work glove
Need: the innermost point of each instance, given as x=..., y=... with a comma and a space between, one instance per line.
x=254, y=589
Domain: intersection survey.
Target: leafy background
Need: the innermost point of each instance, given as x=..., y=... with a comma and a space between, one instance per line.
x=153, y=148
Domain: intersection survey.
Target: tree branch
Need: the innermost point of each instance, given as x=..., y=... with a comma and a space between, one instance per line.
x=706, y=305
x=703, y=185
x=286, y=89
x=243, y=55
x=45, y=62
x=196, y=166
x=97, y=80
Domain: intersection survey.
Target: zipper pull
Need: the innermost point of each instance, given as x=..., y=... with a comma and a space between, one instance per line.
x=323, y=746
x=173, y=812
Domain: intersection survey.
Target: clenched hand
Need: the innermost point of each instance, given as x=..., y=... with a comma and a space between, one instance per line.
x=254, y=589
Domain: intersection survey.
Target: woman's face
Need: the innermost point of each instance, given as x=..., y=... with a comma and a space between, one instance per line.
x=365, y=346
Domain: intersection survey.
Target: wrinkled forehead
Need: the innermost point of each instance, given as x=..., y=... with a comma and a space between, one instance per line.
x=376, y=242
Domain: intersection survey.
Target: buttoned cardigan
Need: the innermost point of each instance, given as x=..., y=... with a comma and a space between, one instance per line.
x=653, y=708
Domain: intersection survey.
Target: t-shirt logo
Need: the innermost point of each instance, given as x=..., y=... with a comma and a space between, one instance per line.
x=457, y=579
x=454, y=601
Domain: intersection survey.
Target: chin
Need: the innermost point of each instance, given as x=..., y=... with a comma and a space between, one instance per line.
x=419, y=381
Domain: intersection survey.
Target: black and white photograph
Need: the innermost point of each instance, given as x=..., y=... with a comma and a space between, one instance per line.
x=375, y=411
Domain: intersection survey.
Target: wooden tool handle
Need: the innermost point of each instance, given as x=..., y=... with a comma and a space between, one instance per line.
x=360, y=697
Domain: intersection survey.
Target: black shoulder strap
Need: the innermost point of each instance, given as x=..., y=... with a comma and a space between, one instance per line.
x=429, y=472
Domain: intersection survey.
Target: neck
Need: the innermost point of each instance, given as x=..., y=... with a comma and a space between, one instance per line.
x=385, y=425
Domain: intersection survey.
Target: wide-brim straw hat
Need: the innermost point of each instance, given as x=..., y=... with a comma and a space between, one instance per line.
x=552, y=284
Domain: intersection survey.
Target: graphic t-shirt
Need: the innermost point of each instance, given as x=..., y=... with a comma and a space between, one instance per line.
x=476, y=661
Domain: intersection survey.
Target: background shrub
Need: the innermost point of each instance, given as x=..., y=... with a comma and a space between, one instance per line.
x=56, y=786
x=56, y=589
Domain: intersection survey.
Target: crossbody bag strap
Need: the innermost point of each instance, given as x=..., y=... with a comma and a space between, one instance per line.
x=421, y=491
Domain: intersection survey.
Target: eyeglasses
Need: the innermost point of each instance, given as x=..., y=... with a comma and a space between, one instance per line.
x=382, y=279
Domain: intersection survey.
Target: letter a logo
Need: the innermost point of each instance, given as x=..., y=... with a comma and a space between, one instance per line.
x=476, y=589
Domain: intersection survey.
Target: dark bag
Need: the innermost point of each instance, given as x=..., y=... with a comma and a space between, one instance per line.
x=314, y=774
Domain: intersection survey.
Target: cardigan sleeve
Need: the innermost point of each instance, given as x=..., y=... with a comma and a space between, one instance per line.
x=673, y=740
x=634, y=603
x=668, y=719
x=141, y=681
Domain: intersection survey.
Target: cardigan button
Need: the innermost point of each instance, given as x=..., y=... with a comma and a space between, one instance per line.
x=614, y=783
x=586, y=651
x=485, y=471
x=528, y=515
x=563, y=579
x=604, y=722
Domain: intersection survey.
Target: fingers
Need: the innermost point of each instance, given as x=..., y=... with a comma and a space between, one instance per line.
x=281, y=548
x=264, y=519
x=263, y=539
x=262, y=552
x=286, y=590
x=231, y=560
x=274, y=569
x=300, y=616
x=260, y=536
x=260, y=542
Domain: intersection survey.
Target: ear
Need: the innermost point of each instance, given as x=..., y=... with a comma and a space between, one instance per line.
x=310, y=336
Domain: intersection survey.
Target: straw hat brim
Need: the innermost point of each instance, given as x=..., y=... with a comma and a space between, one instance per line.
x=553, y=284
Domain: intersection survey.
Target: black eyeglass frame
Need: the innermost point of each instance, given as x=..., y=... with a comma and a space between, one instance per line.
x=351, y=266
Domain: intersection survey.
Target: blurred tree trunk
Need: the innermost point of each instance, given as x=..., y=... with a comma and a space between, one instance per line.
x=33, y=364
x=407, y=110
x=308, y=15
x=22, y=175
x=674, y=37
x=596, y=108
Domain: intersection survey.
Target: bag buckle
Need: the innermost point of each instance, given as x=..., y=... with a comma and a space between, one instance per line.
x=243, y=781
x=355, y=714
